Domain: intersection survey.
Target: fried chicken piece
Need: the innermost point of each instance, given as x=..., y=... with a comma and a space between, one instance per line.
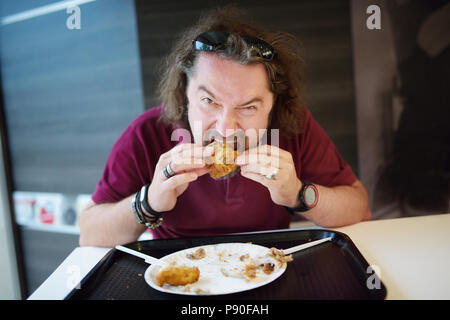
x=224, y=157
x=177, y=276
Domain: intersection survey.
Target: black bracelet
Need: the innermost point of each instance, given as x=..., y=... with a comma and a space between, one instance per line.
x=143, y=200
x=153, y=221
x=140, y=215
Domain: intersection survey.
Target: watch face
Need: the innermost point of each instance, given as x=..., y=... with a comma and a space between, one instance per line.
x=310, y=196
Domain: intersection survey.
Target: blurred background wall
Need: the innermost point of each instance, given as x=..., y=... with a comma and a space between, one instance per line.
x=68, y=95
x=401, y=78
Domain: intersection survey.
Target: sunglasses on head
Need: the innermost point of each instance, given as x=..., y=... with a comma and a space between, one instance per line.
x=216, y=40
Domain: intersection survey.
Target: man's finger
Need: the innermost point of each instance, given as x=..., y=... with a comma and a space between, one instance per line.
x=270, y=150
x=179, y=179
x=179, y=167
x=262, y=159
x=256, y=177
x=200, y=171
x=191, y=154
x=189, y=147
x=196, y=151
x=258, y=169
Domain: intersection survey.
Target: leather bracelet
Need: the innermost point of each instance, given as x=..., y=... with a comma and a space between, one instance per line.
x=144, y=202
x=140, y=214
x=142, y=218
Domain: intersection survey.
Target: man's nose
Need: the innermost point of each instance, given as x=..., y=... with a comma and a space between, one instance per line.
x=226, y=123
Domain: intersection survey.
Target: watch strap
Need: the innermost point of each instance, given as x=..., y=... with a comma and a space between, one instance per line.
x=303, y=207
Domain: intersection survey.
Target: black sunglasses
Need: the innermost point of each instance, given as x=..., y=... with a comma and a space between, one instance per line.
x=215, y=40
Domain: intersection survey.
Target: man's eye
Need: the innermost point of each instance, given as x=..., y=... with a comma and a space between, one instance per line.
x=248, y=110
x=208, y=100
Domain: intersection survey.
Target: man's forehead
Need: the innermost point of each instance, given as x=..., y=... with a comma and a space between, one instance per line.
x=225, y=77
x=212, y=62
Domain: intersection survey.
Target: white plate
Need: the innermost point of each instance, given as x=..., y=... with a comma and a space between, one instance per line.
x=220, y=270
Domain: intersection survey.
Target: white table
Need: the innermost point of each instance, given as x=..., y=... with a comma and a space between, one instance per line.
x=413, y=256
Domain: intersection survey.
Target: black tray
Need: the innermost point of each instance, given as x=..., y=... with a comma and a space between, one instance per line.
x=331, y=270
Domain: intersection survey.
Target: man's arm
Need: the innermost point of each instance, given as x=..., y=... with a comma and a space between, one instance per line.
x=340, y=205
x=109, y=224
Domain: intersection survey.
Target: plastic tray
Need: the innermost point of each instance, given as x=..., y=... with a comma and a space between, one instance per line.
x=332, y=270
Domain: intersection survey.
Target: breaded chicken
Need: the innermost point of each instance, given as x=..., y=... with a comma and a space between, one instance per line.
x=224, y=157
x=177, y=276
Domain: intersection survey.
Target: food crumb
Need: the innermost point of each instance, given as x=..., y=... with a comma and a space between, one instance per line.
x=250, y=271
x=201, y=291
x=267, y=268
x=197, y=255
x=139, y=274
x=243, y=257
x=279, y=256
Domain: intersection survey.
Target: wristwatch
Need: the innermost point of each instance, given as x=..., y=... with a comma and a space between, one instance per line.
x=308, y=196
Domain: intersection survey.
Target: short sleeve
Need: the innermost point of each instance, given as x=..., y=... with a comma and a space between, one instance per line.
x=125, y=170
x=321, y=162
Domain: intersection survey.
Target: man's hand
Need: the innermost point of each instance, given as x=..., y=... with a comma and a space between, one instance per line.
x=188, y=161
x=339, y=205
x=258, y=162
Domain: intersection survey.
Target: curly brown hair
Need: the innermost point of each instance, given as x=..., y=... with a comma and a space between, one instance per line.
x=285, y=70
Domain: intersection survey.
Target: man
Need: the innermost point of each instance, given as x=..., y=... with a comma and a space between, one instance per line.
x=225, y=76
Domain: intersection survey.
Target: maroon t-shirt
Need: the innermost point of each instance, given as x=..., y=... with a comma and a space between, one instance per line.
x=209, y=207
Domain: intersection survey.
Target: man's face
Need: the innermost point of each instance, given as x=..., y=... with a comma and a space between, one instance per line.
x=226, y=96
